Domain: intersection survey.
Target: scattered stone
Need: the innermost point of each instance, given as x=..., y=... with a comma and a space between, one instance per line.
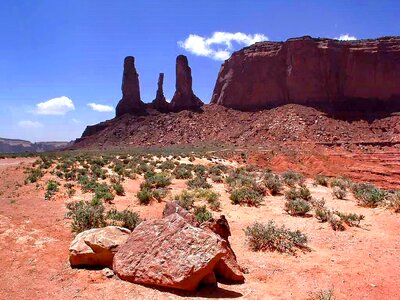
x=97, y=247
x=108, y=272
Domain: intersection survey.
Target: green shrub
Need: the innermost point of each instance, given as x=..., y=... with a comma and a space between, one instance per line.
x=339, y=193
x=200, y=170
x=103, y=192
x=159, y=194
x=270, y=237
x=125, y=218
x=273, y=183
x=198, y=183
x=167, y=165
x=211, y=197
x=340, y=182
x=321, y=180
x=292, y=194
x=350, y=219
x=202, y=214
x=34, y=174
x=297, y=207
x=368, y=195
x=119, y=189
x=322, y=214
x=86, y=215
x=158, y=180
x=305, y=193
x=185, y=199
x=70, y=189
x=183, y=171
x=145, y=195
x=292, y=178
x=52, y=188
x=216, y=178
x=246, y=196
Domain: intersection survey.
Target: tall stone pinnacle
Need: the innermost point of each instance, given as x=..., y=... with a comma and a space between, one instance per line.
x=160, y=103
x=130, y=102
x=184, y=98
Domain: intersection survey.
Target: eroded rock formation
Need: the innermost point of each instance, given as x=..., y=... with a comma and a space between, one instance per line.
x=160, y=103
x=184, y=98
x=323, y=73
x=130, y=102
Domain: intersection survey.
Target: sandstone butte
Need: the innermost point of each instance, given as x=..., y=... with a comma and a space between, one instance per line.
x=323, y=73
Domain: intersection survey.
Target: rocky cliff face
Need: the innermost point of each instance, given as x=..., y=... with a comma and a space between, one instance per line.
x=184, y=98
x=130, y=102
x=323, y=73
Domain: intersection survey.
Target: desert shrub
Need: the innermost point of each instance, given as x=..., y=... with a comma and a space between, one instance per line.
x=125, y=218
x=34, y=174
x=305, y=193
x=292, y=194
x=318, y=203
x=297, y=207
x=394, y=201
x=192, y=158
x=167, y=165
x=202, y=214
x=52, y=188
x=70, y=189
x=340, y=182
x=159, y=194
x=183, y=171
x=119, y=189
x=270, y=237
x=87, y=183
x=157, y=180
x=145, y=195
x=185, y=199
x=216, y=178
x=210, y=196
x=98, y=172
x=215, y=170
x=336, y=223
x=273, y=183
x=321, y=180
x=198, y=183
x=103, y=192
x=143, y=167
x=86, y=215
x=246, y=196
x=368, y=195
x=322, y=214
x=350, y=219
x=292, y=178
x=339, y=193
x=239, y=179
x=323, y=295
x=199, y=170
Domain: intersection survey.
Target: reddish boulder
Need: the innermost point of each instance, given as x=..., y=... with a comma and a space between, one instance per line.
x=174, y=208
x=130, y=102
x=323, y=73
x=170, y=253
x=160, y=103
x=184, y=98
x=97, y=247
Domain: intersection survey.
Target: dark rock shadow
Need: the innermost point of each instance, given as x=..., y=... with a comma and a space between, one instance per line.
x=202, y=291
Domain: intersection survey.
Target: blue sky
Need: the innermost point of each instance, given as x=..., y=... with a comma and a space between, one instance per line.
x=71, y=52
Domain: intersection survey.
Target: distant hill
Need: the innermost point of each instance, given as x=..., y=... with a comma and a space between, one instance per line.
x=20, y=146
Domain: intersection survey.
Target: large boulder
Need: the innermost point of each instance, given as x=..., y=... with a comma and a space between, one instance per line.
x=130, y=102
x=171, y=207
x=97, y=247
x=184, y=98
x=335, y=76
x=170, y=252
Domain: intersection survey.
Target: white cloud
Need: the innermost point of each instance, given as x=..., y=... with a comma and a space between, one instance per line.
x=220, y=45
x=100, y=107
x=346, y=37
x=55, y=106
x=76, y=121
x=28, y=124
